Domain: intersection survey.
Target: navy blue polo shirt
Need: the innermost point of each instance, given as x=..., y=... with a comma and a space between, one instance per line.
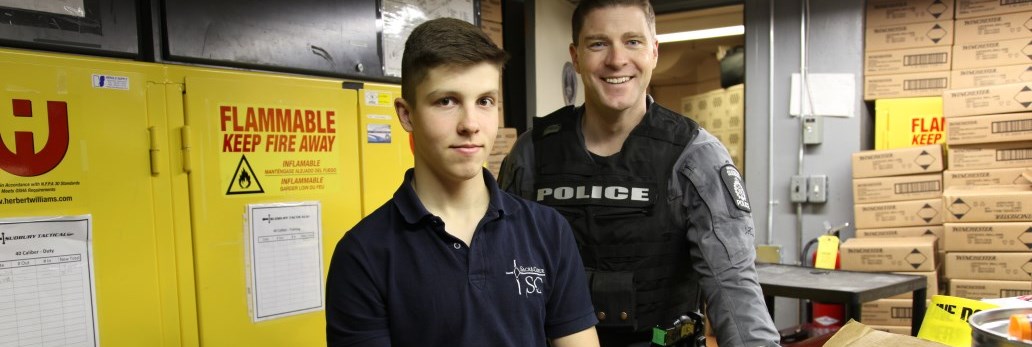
x=398, y=278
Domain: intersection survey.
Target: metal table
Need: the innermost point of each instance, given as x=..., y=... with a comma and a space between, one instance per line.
x=851, y=288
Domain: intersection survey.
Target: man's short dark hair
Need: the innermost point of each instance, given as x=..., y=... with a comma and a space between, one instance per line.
x=441, y=42
x=586, y=6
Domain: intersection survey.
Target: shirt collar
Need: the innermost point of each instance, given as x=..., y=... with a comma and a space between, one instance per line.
x=414, y=212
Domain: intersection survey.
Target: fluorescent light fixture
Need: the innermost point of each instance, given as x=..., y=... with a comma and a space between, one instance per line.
x=701, y=34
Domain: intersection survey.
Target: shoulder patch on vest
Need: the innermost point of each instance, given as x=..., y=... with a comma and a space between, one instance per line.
x=733, y=182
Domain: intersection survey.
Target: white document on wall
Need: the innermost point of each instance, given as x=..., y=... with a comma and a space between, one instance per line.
x=47, y=295
x=829, y=94
x=284, y=259
x=401, y=16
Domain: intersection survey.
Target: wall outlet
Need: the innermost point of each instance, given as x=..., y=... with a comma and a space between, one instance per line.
x=818, y=188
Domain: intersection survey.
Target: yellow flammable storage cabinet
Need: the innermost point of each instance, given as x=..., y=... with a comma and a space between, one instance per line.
x=87, y=251
x=274, y=184
x=385, y=147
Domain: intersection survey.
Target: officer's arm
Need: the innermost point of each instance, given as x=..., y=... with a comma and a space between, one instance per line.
x=515, y=175
x=583, y=338
x=356, y=314
x=721, y=237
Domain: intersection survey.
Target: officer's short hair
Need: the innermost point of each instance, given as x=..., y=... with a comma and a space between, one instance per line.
x=444, y=42
x=586, y=6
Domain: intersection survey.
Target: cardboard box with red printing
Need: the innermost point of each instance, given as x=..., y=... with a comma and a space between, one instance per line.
x=988, y=237
x=990, y=76
x=997, y=155
x=989, y=128
x=898, y=214
x=908, y=254
x=909, y=60
x=491, y=10
x=985, y=177
x=900, y=161
x=988, y=204
x=932, y=230
x=909, y=35
x=897, y=188
x=993, y=28
x=979, y=8
x=885, y=12
x=988, y=289
x=888, y=312
x=908, y=122
x=1004, y=266
x=504, y=141
x=992, y=53
x=1003, y=98
x=906, y=85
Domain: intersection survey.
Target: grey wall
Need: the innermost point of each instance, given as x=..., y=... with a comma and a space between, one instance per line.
x=835, y=45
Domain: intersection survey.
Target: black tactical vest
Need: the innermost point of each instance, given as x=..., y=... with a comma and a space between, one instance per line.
x=628, y=224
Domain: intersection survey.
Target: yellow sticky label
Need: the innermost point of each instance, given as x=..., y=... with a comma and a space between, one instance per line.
x=827, y=249
x=945, y=321
x=384, y=99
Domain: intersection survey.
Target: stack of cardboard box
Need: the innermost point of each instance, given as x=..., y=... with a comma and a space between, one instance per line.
x=491, y=20
x=721, y=113
x=898, y=214
x=908, y=48
x=907, y=60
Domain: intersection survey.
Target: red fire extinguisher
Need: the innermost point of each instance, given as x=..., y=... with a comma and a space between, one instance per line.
x=824, y=315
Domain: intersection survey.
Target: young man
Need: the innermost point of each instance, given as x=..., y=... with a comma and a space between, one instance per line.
x=451, y=260
x=659, y=210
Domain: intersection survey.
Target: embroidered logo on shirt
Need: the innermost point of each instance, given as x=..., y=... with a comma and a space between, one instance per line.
x=733, y=182
x=529, y=279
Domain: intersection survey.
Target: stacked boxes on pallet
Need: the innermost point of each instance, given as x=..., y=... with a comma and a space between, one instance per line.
x=721, y=113
x=898, y=213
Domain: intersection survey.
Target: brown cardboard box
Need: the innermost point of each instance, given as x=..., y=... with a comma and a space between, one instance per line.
x=979, y=8
x=1002, y=98
x=989, y=128
x=897, y=188
x=910, y=254
x=988, y=237
x=988, y=204
x=1004, y=266
x=991, y=53
x=907, y=60
x=909, y=35
x=906, y=85
x=898, y=330
x=494, y=31
x=491, y=10
x=856, y=334
x=898, y=214
x=900, y=161
x=504, y=141
x=887, y=312
x=990, y=76
x=988, y=289
x=984, y=177
x=932, y=230
x=886, y=12
x=992, y=28
x=990, y=156
x=932, y=287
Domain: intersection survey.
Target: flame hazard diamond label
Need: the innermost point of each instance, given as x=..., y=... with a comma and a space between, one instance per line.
x=915, y=258
x=244, y=180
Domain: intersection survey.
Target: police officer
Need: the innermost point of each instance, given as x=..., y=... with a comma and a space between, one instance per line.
x=659, y=210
